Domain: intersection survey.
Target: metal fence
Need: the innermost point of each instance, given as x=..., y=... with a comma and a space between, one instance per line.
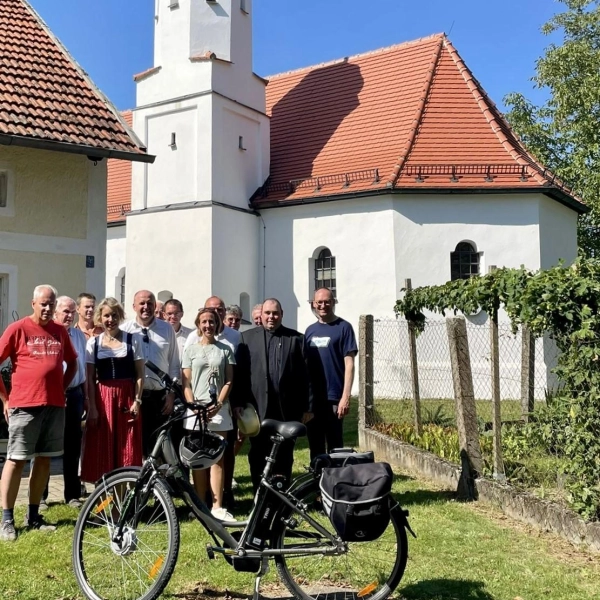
x=392, y=376
x=404, y=375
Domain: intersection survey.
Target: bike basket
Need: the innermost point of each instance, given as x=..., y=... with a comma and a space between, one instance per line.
x=355, y=498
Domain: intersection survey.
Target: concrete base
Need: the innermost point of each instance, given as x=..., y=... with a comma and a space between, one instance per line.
x=521, y=506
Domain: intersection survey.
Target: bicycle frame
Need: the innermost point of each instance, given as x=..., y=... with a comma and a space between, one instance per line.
x=173, y=476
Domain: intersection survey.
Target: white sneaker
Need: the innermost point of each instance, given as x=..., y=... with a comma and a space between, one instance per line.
x=222, y=514
x=234, y=484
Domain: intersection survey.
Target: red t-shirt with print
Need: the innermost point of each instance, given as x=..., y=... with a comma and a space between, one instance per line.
x=37, y=354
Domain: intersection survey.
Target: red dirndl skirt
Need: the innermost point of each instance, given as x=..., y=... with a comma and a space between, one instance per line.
x=113, y=442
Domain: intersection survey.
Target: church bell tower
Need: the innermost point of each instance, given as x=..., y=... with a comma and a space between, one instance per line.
x=201, y=112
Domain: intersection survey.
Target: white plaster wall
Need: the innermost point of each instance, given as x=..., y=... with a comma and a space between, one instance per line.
x=359, y=234
x=504, y=229
x=558, y=233
x=115, y=259
x=171, y=250
x=179, y=175
x=251, y=165
x=235, y=256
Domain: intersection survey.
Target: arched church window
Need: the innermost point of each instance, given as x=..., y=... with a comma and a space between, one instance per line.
x=464, y=261
x=325, y=272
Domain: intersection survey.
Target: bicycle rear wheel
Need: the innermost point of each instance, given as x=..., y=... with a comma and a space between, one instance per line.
x=366, y=570
x=140, y=566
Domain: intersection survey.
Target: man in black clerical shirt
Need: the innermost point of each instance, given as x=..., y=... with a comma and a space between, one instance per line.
x=272, y=374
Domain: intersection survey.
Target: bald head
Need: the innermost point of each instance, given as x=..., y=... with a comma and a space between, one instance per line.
x=144, y=305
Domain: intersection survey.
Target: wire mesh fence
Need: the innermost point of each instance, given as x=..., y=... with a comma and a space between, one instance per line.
x=395, y=394
x=393, y=391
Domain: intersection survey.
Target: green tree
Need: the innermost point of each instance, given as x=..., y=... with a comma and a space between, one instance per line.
x=564, y=133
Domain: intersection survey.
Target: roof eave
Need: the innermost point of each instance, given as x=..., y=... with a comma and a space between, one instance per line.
x=553, y=193
x=91, y=151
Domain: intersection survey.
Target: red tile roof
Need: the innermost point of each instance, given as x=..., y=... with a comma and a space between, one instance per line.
x=47, y=100
x=119, y=183
x=409, y=117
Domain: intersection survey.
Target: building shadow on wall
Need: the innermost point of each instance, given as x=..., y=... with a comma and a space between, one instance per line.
x=305, y=119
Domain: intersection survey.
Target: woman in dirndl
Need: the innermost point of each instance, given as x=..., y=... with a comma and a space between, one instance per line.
x=115, y=363
x=205, y=360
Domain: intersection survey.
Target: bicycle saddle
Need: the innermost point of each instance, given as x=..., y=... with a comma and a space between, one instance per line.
x=288, y=430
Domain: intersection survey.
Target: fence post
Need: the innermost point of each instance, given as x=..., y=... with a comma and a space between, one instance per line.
x=414, y=370
x=527, y=372
x=365, y=371
x=496, y=400
x=466, y=413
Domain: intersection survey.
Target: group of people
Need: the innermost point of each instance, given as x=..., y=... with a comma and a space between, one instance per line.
x=75, y=359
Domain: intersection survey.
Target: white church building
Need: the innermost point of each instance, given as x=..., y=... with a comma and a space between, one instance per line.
x=356, y=174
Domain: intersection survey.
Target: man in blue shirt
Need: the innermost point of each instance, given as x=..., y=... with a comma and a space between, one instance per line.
x=331, y=350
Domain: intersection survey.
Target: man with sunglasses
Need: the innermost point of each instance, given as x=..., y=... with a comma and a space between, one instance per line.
x=331, y=349
x=159, y=346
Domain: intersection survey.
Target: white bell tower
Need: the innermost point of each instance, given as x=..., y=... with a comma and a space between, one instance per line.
x=201, y=112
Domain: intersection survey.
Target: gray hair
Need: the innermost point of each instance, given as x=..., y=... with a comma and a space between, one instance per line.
x=40, y=289
x=63, y=300
x=235, y=310
x=257, y=307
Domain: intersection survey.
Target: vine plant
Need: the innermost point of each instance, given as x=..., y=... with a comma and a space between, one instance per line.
x=563, y=302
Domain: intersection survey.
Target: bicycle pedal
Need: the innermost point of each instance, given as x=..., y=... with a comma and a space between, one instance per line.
x=210, y=552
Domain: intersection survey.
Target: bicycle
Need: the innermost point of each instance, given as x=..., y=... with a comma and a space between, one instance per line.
x=126, y=539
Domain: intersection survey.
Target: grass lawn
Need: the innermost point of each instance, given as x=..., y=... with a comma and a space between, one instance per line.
x=400, y=410
x=463, y=552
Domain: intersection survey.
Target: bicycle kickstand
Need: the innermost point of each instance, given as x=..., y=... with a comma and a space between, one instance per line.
x=264, y=569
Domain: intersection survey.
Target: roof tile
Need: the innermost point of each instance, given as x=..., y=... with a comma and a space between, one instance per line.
x=392, y=112
x=47, y=94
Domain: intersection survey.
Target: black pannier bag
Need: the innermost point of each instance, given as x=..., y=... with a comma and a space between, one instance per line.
x=341, y=457
x=355, y=498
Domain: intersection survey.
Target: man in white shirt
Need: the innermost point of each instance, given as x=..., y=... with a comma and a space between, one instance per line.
x=160, y=347
x=76, y=403
x=173, y=311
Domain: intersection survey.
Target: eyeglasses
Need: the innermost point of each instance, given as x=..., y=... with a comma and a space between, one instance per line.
x=323, y=302
x=145, y=339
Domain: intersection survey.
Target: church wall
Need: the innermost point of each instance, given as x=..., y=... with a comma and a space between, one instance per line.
x=359, y=234
x=179, y=174
x=238, y=171
x=171, y=250
x=558, y=233
x=503, y=228
x=55, y=217
x=235, y=256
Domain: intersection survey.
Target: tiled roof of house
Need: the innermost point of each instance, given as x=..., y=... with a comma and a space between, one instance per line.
x=119, y=183
x=47, y=100
x=409, y=117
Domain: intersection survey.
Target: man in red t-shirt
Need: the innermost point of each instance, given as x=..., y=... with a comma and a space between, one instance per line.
x=35, y=409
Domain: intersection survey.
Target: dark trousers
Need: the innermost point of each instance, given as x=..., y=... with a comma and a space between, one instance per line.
x=325, y=430
x=71, y=444
x=153, y=402
x=260, y=448
x=229, y=462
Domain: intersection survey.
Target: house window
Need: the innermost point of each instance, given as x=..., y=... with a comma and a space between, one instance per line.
x=243, y=6
x=325, y=275
x=7, y=190
x=464, y=261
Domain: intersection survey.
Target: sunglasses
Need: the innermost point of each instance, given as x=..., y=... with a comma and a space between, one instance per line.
x=145, y=339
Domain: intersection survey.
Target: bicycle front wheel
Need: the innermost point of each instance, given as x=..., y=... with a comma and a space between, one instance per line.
x=364, y=570
x=139, y=566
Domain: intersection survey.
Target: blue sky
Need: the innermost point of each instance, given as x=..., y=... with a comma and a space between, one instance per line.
x=500, y=41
